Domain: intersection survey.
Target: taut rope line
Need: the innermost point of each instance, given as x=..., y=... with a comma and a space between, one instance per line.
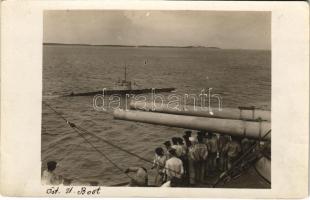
x=75, y=128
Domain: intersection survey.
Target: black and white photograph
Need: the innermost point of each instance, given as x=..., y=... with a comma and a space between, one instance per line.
x=156, y=98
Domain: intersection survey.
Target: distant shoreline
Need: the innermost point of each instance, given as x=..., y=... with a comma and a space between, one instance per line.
x=137, y=46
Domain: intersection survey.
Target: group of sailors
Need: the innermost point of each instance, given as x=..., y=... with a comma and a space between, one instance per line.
x=183, y=161
x=190, y=160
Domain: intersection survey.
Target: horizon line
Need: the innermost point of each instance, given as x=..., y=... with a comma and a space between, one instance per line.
x=163, y=46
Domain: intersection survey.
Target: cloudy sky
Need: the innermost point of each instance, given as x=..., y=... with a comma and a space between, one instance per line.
x=224, y=29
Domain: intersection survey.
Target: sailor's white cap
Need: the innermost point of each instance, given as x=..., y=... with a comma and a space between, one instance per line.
x=192, y=139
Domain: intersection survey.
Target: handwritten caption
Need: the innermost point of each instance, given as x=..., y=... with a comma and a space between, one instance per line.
x=83, y=191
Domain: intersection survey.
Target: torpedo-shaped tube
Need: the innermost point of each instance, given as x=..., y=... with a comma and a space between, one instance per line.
x=245, y=113
x=242, y=128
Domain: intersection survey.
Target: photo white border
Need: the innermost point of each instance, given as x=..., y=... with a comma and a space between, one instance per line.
x=21, y=96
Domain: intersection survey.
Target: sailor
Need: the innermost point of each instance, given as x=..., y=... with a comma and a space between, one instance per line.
x=176, y=145
x=184, y=147
x=168, y=147
x=184, y=159
x=204, y=135
x=141, y=177
x=191, y=166
x=222, y=143
x=186, y=137
x=159, y=165
x=188, y=133
x=174, y=169
x=49, y=177
x=245, y=144
x=212, y=144
x=187, y=142
x=199, y=154
x=233, y=149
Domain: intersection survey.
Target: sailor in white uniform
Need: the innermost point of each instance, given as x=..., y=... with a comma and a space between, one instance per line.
x=49, y=177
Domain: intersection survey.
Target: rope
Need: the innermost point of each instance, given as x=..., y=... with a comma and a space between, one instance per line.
x=60, y=115
x=115, y=146
x=73, y=126
x=267, y=133
x=103, y=154
x=126, y=151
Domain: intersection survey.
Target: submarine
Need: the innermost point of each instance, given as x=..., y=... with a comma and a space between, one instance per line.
x=123, y=87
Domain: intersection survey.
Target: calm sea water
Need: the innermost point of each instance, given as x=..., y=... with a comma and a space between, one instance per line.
x=241, y=77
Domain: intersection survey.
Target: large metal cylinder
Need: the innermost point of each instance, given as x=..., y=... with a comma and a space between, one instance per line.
x=251, y=129
x=263, y=167
x=227, y=113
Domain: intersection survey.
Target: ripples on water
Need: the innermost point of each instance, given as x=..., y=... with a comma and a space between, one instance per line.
x=241, y=77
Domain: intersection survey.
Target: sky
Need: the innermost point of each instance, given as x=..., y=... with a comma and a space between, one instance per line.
x=223, y=29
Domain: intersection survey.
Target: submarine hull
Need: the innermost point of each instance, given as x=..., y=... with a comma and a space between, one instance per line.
x=124, y=92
